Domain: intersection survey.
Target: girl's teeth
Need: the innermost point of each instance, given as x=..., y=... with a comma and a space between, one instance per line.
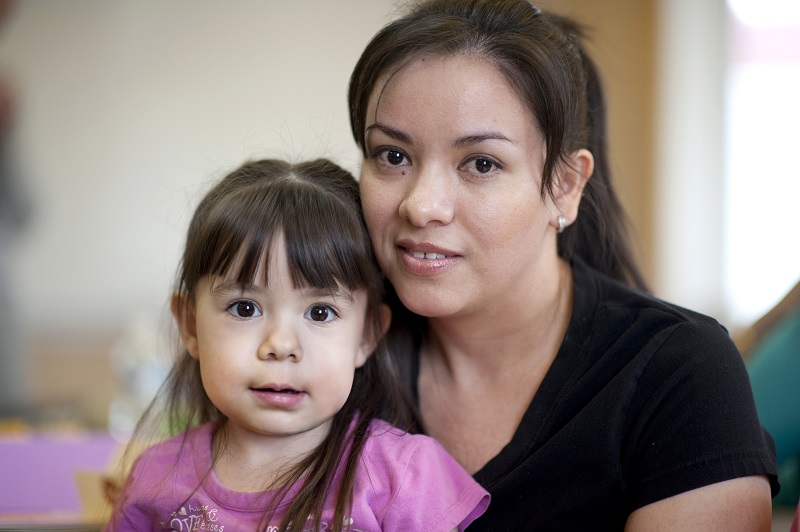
x=421, y=255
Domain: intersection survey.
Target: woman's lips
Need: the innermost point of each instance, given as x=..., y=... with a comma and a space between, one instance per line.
x=426, y=259
x=421, y=255
x=425, y=250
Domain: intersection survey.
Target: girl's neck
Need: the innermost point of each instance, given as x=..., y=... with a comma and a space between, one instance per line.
x=249, y=462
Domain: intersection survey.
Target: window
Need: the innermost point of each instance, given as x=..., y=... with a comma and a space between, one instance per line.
x=762, y=156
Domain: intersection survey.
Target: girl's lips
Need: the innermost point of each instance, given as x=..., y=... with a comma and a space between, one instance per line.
x=278, y=396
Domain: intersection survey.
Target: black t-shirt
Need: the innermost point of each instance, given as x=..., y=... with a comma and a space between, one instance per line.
x=644, y=400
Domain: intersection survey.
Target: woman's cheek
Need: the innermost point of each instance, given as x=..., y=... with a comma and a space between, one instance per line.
x=375, y=200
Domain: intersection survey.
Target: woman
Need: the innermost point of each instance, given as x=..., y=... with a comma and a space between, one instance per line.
x=577, y=400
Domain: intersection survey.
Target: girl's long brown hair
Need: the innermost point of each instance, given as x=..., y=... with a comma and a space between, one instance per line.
x=316, y=206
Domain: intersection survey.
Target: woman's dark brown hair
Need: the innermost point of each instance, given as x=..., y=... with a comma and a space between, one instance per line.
x=316, y=206
x=541, y=57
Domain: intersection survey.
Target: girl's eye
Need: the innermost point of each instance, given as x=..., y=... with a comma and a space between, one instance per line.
x=320, y=313
x=244, y=309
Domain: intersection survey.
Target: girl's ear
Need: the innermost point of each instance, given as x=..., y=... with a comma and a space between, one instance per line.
x=572, y=178
x=371, y=338
x=183, y=312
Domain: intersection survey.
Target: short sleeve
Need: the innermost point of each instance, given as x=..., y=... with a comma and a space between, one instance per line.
x=693, y=419
x=433, y=492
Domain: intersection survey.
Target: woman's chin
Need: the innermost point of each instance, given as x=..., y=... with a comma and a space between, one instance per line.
x=430, y=303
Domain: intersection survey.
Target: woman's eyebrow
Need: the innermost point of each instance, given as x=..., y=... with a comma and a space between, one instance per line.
x=480, y=137
x=391, y=132
x=466, y=140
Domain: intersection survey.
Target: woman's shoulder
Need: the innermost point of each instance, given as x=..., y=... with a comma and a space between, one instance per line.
x=615, y=326
x=599, y=295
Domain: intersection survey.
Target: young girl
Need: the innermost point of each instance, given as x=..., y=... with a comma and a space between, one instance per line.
x=284, y=382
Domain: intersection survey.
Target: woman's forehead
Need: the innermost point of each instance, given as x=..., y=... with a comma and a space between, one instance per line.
x=461, y=92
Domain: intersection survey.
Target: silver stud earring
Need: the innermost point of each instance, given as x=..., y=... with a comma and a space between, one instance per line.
x=562, y=223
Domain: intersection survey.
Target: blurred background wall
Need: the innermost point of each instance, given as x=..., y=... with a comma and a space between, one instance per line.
x=124, y=112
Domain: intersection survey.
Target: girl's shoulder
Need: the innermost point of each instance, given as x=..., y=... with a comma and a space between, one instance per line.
x=412, y=482
x=194, y=441
x=384, y=436
x=388, y=444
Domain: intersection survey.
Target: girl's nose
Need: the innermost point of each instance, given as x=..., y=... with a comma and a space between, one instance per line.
x=280, y=343
x=429, y=198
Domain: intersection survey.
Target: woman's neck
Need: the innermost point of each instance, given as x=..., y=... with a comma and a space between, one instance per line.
x=525, y=327
x=478, y=375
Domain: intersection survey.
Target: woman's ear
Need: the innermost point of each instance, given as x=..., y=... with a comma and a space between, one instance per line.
x=183, y=312
x=371, y=338
x=570, y=182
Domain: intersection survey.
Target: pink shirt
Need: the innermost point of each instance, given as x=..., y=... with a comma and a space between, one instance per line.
x=403, y=482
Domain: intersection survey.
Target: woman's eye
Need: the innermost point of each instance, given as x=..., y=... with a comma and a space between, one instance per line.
x=391, y=156
x=483, y=166
x=394, y=157
x=320, y=313
x=244, y=309
x=480, y=165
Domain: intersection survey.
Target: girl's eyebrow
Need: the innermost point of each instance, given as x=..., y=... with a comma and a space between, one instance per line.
x=333, y=294
x=228, y=285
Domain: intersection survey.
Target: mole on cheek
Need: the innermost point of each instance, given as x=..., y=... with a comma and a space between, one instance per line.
x=403, y=172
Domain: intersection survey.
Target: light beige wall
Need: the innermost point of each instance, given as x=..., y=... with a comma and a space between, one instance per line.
x=126, y=111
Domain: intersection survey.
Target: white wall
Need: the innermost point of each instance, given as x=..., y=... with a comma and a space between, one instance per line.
x=689, y=152
x=128, y=109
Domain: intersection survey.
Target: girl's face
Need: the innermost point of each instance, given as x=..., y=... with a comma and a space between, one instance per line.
x=451, y=188
x=276, y=360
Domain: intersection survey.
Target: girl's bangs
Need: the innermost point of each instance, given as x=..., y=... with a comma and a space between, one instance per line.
x=324, y=241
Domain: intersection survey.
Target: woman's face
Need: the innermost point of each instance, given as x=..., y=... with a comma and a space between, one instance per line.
x=451, y=188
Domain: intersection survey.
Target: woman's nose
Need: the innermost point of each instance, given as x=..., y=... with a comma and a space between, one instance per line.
x=280, y=343
x=429, y=198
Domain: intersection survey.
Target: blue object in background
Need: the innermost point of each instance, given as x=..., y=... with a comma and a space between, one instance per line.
x=774, y=368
